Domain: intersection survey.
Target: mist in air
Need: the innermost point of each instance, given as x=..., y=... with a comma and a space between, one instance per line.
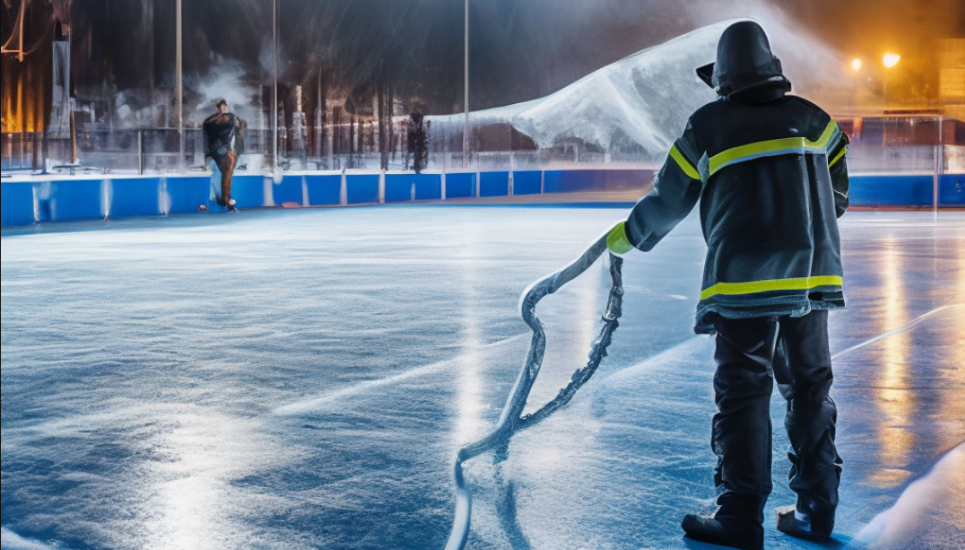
x=519, y=50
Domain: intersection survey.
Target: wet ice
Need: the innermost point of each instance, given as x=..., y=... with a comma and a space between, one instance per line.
x=303, y=380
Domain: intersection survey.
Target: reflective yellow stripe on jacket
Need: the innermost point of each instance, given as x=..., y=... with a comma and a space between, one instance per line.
x=838, y=157
x=754, y=287
x=684, y=164
x=775, y=147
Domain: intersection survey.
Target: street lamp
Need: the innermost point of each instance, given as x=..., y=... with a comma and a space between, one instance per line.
x=465, y=104
x=179, y=82
x=890, y=60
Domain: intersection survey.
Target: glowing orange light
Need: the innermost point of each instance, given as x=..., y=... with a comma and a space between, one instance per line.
x=856, y=64
x=891, y=59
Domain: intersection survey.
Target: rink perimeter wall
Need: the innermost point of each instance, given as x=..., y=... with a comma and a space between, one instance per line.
x=59, y=199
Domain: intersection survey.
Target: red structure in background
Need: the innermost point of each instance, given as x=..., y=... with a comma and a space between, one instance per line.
x=28, y=27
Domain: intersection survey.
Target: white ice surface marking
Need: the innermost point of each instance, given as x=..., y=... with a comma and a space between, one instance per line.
x=319, y=403
x=905, y=328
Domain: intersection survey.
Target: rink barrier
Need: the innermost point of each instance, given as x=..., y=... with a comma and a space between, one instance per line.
x=130, y=198
x=288, y=191
x=17, y=204
x=362, y=189
x=494, y=184
x=28, y=201
x=73, y=200
x=527, y=182
x=183, y=195
x=413, y=187
x=461, y=185
x=322, y=190
x=951, y=191
x=893, y=191
x=577, y=181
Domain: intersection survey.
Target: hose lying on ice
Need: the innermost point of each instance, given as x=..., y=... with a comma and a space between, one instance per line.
x=512, y=419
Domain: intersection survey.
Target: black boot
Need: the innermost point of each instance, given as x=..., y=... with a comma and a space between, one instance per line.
x=805, y=520
x=735, y=532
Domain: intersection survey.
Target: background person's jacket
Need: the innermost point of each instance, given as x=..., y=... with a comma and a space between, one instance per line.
x=223, y=134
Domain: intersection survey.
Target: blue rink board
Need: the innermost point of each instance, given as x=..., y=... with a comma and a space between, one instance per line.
x=362, y=189
x=407, y=187
x=494, y=184
x=16, y=204
x=89, y=199
x=951, y=193
x=460, y=185
x=527, y=182
x=324, y=190
x=135, y=197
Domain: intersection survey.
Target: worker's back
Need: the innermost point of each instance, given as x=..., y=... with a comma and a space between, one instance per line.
x=769, y=172
x=768, y=205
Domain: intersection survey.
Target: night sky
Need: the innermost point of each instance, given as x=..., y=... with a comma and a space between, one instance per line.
x=521, y=49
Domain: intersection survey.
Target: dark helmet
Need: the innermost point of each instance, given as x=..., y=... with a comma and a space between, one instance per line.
x=744, y=61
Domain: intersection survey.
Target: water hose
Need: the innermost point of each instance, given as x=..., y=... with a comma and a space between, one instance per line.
x=512, y=419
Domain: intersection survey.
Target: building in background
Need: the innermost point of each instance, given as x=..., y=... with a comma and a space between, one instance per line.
x=27, y=40
x=951, y=55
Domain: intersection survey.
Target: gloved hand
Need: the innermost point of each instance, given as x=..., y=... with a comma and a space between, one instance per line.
x=617, y=240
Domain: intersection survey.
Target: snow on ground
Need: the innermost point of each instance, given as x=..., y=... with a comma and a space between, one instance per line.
x=290, y=380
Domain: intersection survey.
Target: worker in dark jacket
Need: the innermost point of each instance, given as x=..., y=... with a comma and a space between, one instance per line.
x=224, y=141
x=769, y=172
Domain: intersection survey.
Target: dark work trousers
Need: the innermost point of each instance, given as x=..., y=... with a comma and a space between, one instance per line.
x=750, y=353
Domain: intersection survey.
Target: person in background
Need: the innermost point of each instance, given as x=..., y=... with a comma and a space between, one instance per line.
x=224, y=141
x=417, y=138
x=770, y=174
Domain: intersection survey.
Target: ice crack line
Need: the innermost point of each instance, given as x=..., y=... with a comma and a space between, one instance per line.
x=320, y=402
x=905, y=328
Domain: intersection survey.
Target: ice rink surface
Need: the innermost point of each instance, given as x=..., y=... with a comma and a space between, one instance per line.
x=303, y=379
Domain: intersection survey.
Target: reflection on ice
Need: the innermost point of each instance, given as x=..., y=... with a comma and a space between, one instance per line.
x=469, y=418
x=895, y=395
x=929, y=499
x=180, y=492
x=953, y=376
x=189, y=496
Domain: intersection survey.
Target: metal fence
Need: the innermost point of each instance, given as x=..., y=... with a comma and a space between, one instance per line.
x=880, y=145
